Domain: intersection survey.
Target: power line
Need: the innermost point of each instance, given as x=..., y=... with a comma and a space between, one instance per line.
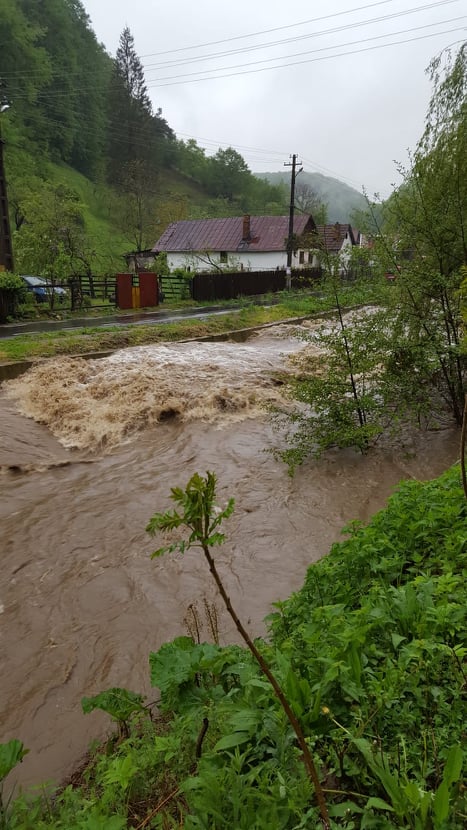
x=309, y=60
x=312, y=51
x=50, y=95
x=268, y=31
x=356, y=24
x=334, y=30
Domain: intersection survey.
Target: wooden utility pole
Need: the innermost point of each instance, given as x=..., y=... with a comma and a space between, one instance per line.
x=293, y=165
x=6, y=248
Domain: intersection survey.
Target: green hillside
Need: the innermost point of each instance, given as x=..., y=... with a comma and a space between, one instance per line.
x=92, y=166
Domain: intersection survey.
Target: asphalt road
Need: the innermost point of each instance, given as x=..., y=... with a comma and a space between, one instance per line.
x=14, y=329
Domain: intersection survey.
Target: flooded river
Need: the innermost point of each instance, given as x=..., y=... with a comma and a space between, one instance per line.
x=88, y=452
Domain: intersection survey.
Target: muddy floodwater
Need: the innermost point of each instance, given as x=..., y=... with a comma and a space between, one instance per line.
x=88, y=452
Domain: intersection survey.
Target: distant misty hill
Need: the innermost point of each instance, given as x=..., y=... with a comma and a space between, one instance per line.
x=341, y=199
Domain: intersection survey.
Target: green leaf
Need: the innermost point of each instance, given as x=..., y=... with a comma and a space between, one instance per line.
x=246, y=720
x=159, y=552
x=121, y=771
x=344, y=808
x=414, y=793
x=397, y=639
x=11, y=754
x=234, y=739
x=453, y=766
x=379, y=804
x=389, y=782
x=355, y=662
x=118, y=703
x=441, y=804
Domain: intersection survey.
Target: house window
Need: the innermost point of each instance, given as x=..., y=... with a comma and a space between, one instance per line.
x=301, y=257
x=223, y=256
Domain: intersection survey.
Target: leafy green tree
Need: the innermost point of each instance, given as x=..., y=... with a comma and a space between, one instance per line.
x=424, y=239
x=347, y=396
x=48, y=241
x=56, y=75
x=409, y=362
x=191, y=160
x=229, y=173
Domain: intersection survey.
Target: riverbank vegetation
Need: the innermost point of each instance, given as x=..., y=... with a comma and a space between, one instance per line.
x=370, y=654
x=408, y=361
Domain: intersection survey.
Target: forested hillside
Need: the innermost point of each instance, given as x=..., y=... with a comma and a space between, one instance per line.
x=93, y=170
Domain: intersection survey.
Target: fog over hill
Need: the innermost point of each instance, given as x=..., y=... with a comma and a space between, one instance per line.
x=341, y=199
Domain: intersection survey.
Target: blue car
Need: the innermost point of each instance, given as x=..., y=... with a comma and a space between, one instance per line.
x=42, y=290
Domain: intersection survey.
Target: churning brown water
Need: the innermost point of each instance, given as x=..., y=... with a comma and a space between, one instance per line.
x=81, y=603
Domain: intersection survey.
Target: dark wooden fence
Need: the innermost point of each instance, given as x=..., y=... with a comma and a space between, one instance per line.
x=248, y=283
x=87, y=290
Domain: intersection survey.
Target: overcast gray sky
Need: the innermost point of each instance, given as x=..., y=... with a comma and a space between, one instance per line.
x=347, y=102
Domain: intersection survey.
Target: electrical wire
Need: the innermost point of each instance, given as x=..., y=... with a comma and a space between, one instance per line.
x=268, y=31
x=158, y=85
x=335, y=30
x=313, y=51
x=54, y=94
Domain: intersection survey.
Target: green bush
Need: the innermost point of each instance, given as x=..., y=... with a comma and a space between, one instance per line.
x=12, y=292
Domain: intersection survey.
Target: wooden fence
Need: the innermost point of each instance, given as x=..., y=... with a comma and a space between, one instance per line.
x=206, y=287
x=173, y=287
x=87, y=290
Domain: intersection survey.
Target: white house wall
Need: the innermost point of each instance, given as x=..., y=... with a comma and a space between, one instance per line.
x=246, y=260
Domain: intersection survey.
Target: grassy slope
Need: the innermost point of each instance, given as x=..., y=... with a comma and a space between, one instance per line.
x=96, y=199
x=24, y=170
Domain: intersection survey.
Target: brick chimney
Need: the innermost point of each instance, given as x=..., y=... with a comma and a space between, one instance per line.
x=246, y=235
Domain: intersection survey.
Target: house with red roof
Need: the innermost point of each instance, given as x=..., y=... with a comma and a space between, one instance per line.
x=246, y=243
x=332, y=241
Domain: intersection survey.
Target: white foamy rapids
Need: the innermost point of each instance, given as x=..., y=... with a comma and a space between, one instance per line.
x=93, y=404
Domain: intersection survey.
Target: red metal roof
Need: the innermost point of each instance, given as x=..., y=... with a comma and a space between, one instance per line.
x=267, y=233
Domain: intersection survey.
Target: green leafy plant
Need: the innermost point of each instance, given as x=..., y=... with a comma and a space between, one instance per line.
x=12, y=292
x=119, y=703
x=11, y=754
x=202, y=517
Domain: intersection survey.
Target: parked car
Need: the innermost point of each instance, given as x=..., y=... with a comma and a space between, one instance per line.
x=42, y=290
